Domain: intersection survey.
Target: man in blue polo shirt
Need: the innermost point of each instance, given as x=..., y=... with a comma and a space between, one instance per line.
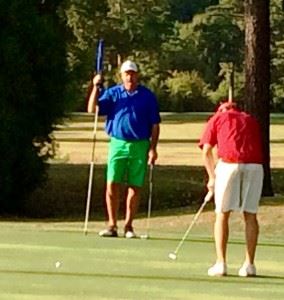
x=133, y=126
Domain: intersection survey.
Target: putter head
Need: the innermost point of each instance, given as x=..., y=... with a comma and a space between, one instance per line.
x=172, y=256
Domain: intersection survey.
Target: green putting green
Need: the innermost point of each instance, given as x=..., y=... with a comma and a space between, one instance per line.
x=91, y=267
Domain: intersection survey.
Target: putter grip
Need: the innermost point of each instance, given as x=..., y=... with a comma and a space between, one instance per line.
x=208, y=196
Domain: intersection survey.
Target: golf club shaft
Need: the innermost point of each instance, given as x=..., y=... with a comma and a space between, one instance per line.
x=206, y=199
x=91, y=173
x=150, y=198
x=98, y=69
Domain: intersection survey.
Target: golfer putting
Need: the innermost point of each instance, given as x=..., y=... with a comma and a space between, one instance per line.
x=132, y=122
x=236, y=179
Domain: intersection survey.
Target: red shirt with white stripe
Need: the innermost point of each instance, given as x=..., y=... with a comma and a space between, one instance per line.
x=237, y=136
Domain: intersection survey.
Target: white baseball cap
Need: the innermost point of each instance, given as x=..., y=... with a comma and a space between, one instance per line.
x=128, y=65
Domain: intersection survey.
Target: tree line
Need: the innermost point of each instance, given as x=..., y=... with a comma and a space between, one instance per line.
x=187, y=52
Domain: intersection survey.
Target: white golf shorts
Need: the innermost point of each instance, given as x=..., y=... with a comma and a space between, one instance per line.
x=238, y=187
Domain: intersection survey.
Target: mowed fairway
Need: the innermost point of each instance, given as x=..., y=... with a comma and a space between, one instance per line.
x=178, y=143
x=116, y=268
x=90, y=267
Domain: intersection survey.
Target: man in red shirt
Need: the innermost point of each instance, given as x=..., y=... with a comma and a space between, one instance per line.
x=236, y=180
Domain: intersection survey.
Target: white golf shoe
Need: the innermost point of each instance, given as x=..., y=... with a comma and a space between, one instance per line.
x=129, y=232
x=130, y=235
x=219, y=269
x=109, y=232
x=247, y=270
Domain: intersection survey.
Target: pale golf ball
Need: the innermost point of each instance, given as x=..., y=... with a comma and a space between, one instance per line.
x=144, y=236
x=172, y=256
x=57, y=264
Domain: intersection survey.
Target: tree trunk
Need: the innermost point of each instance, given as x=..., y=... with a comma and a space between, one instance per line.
x=257, y=72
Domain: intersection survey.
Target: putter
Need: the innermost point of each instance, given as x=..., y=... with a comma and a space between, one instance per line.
x=173, y=255
x=146, y=236
x=99, y=69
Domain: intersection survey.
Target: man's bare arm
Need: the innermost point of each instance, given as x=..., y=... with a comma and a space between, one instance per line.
x=153, y=155
x=93, y=99
x=209, y=163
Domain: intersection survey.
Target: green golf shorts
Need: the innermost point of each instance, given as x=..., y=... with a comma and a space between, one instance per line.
x=127, y=161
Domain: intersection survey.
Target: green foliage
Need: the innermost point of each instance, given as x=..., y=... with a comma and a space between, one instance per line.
x=126, y=27
x=180, y=52
x=169, y=34
x=184, y=10
x=219, y=39
x=277, y=53
x=221, y=92
x=133, y=24
x=187, y=92
x=85, y=21
x=234, y=7
x=32, y=79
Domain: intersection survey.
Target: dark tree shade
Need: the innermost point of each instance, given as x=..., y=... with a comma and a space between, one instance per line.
x=32, y=80
x=257, y=70
x=184, y=10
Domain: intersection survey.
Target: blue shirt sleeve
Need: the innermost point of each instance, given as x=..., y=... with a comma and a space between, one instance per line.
x=105, y=102
x=155, y=112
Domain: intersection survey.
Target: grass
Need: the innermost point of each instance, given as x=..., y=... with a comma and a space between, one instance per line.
x=179, y=166
x=97, y=268
x=178, y=140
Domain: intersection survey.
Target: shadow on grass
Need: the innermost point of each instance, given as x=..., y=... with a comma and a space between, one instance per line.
x=210, y=241
x=229, y=278
x=63, y=196
x=64, y=193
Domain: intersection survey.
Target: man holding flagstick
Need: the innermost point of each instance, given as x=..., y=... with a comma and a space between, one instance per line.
x=133, y=126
